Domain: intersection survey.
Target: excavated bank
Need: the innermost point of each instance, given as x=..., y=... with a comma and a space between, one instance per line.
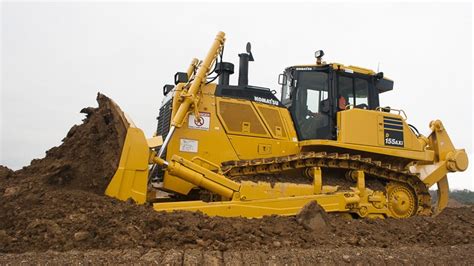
x=57, y=203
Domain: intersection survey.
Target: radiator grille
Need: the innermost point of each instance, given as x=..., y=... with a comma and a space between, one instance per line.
x=164, y=119
x=163, y=128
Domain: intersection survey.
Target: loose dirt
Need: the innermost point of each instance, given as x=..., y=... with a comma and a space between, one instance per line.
x=54, y=210
x=412, y=255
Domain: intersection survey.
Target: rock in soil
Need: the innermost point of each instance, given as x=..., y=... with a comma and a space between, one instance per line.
x=313, y=217
x=81, y=236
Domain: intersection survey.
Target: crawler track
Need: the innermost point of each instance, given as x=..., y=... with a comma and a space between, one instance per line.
x=378, y=169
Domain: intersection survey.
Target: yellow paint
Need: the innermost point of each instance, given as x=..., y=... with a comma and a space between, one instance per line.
x=155, y=141
x=130, y=179
x=189, y=96
x=258, y=208
x=363, y=130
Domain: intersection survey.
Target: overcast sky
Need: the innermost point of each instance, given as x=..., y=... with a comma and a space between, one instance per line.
x=56, y=57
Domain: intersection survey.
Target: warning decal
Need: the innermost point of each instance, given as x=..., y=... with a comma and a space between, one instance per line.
x=202, y=123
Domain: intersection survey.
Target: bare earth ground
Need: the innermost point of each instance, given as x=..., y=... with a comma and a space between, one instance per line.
x=54, y=211
x=455, y=255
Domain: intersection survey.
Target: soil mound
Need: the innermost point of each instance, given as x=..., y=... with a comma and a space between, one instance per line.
x=5, y=172
x=86, y=159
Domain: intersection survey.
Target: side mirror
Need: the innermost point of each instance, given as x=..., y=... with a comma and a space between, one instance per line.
x=282, y=79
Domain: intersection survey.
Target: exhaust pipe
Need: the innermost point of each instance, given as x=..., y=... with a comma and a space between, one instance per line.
x=244, y=66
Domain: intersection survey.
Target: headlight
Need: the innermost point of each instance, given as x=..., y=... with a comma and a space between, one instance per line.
x=318, y=54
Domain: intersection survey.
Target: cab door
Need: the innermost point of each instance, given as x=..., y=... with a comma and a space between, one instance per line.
x=311, y=103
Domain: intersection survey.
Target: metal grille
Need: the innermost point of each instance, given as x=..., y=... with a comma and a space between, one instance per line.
x=164, y=119
x=163, y=128
x=273, y=119
x=236, y=114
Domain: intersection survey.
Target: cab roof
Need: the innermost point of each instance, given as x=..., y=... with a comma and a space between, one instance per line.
x=384, y=84
x=338, y=66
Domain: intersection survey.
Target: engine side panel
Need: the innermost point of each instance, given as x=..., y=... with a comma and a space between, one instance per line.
x=375, y=128
x=243, y=123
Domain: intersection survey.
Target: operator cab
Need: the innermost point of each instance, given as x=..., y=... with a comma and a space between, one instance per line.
x=315, y=93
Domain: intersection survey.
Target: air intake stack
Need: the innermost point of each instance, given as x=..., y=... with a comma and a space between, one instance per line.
x=224, y=70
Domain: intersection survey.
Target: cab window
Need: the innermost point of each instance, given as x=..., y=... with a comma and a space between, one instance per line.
x=352, y=91
x=345, y=92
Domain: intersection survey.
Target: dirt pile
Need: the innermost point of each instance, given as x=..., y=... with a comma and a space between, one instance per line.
x=5, y=172
x=57, y=203
x=86, y=159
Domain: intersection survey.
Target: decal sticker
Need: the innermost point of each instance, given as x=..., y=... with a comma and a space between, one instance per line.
x=202, y=123
x=393, y=138
x=265, y=100
x=393, y=131
x=188, y=145
x=303, y=68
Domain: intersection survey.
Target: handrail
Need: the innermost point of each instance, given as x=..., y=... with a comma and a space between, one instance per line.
x=400, y=111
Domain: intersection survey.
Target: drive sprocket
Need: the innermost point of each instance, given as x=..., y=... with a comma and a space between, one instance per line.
x=401, y=200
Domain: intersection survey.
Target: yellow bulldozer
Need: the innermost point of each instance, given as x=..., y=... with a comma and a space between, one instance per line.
x=238, y=150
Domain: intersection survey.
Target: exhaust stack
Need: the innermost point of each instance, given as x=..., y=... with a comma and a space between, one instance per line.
x=244, y=66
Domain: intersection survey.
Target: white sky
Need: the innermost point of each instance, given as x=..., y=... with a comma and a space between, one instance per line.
x=56, y=57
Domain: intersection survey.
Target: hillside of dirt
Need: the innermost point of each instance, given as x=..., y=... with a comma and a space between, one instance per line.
x=55, y=208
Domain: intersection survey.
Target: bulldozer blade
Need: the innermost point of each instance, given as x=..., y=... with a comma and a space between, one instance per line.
x=443, y=194
x=130, y=179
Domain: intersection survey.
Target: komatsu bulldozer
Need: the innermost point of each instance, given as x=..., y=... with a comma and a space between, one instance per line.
x=238, y=150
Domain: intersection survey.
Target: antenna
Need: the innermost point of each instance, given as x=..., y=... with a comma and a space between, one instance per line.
x=378, y=66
